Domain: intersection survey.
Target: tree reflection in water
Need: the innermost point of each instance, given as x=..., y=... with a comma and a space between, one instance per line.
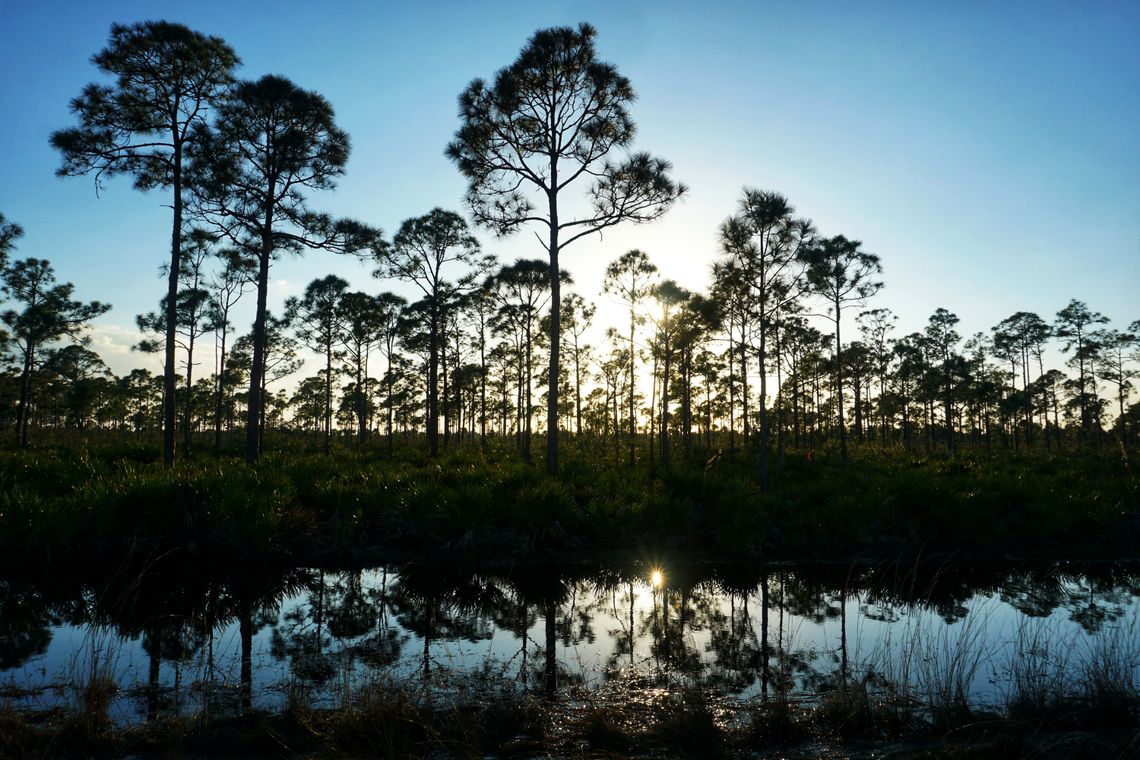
x=743, y=631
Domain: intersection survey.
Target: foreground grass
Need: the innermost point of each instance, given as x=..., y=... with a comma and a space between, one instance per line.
x=624, y=718
x=80, y=503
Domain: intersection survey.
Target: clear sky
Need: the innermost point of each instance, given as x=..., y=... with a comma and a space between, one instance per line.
x=988, y=152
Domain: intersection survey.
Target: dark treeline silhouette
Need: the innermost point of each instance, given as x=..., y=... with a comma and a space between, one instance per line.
x=687, y=375
x=763, y=362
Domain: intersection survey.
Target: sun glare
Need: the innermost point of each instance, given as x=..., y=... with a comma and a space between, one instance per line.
x=656, y=579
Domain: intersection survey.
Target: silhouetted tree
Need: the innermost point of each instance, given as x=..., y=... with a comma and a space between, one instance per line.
x=577, y=316
x=143, y=394
x=279, y=359
x=422, y=249
x=9, y=233
x=1111, y=363
x=359, y=325
x=167, y=76
x=226, y=287
x=308, y=403
x=271, y=142
x=478, y=306
x=80, y=373
x=192, y=313
x=387, y=321
x=857, y=366
x=1018, y=338
x=763, y=242
x=555, y=115
x=982, y=390
x=876, y=325
x=44, y=313
x=1073, y=325
x=731, y=290
x=670, y=297
x=316, y=317
x=841, y=274
x=630, y=277
x=942, y=340
x=522, y=290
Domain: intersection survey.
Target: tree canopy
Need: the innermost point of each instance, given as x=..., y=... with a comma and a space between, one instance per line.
x=167, y=76
x=554, y=116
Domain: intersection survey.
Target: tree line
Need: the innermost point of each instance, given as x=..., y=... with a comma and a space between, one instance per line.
x=545, y=145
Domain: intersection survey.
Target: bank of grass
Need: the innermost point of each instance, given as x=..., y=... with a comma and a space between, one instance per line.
x=67, y=503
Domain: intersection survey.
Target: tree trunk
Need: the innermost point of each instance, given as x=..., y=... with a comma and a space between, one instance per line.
x=22, y=409
x=839, y=385
x=220, y=390
x=168, y=372
x=745, y=423
x=665, y=409
x=555, y=326
x=529, y=412
x=632, y=425
x=577, y=389
x=445, y=392
x=433, y=380
x=361, y=422
x=189, y=386
x=482, y=388
x=762, y=361
x=652, y=409
x=257, y=368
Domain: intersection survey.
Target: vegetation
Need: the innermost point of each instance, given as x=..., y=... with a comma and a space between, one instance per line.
x=44, y=313
x=73, y=504
x=555, y=116
x=746, y=366
x=740, y=422
x=966, y=444
x=166, y=79
x=271, y=142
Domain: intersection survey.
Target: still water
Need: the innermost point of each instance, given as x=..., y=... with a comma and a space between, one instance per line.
x=176, y=642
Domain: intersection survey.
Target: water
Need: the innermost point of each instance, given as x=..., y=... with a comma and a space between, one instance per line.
x=176, y=642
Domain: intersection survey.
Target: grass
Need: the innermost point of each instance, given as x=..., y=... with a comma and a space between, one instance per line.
x=104, y=503
x=469, y=717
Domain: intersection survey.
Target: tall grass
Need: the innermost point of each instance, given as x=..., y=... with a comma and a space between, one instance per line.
x=1037, y=681
x=104, y=503
x=1108, y=666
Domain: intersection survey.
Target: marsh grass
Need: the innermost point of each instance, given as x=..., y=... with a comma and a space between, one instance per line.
x=104, y=502
x=1037, y=681
x=385, y=716
x=948, y=661
x=1108, y=666
x=778, y=723
x=1079, y=680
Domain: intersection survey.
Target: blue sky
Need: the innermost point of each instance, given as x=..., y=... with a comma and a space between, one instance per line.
x=988, y=152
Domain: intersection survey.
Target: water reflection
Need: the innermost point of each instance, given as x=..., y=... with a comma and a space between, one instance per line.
x=175, y=640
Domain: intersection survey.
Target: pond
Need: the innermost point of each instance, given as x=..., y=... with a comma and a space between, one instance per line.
x=177, y=642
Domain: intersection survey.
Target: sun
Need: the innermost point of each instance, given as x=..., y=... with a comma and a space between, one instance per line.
x=656, y=579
